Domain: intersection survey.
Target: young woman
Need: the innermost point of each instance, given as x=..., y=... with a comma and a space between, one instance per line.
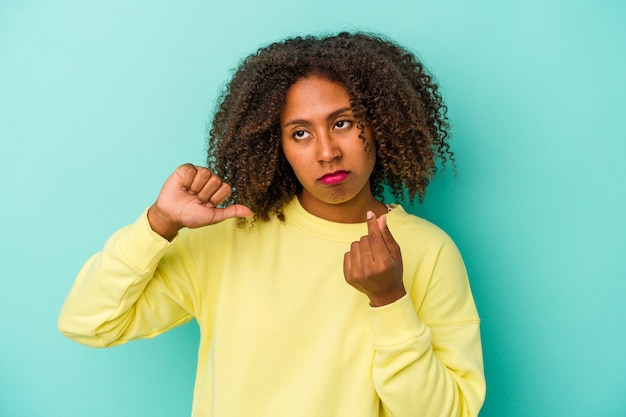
x=313, y=296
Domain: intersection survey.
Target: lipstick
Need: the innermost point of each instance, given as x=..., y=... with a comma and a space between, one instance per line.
x=333, y=178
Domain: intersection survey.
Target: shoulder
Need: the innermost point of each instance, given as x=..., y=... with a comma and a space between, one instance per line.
x=225, y=233
x=415, y=229
x=207, y=238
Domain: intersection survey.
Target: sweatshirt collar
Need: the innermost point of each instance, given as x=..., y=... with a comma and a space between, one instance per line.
x=345, y=232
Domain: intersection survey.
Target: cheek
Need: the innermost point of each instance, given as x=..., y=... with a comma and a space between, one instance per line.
x=292, y=159
x=286, y=152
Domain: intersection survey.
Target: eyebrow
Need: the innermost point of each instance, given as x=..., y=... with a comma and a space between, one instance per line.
x=330, y=116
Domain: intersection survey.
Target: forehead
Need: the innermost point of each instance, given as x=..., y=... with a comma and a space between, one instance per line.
x=314, y=96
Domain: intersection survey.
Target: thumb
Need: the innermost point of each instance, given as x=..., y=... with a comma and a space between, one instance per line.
x=236, y=210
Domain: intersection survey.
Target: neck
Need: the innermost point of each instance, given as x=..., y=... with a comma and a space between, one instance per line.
x=352, y=211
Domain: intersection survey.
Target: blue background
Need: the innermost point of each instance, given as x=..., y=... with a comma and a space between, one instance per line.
x=101, y=100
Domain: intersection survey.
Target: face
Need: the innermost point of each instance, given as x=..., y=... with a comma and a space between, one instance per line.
x=320, y=139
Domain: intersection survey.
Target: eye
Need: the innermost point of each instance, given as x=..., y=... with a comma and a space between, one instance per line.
x=301, y=134
x=342, y=124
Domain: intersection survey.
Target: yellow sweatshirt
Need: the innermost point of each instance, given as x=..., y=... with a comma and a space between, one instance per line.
x=281, y=332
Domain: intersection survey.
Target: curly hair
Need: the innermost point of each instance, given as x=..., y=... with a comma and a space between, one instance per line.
x=389, y=90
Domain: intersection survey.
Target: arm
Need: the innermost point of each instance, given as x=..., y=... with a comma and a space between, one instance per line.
x=428, y=359
x=429, y=368
x=140, y=285
x=128, y=291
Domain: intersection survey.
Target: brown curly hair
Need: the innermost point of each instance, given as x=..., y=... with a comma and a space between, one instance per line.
x=389, y=90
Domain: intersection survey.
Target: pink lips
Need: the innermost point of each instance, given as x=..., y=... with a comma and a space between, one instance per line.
x=333, y=178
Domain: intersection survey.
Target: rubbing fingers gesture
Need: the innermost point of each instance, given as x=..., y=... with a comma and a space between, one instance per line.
x=374, y=264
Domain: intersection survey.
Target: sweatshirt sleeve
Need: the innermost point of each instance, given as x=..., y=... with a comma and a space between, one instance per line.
x=428, y=359
x=130, y=290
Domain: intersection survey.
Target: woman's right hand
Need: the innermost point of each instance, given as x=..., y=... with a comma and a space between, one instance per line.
x=189, y=198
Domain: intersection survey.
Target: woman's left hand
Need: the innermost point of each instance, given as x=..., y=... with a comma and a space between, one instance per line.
x=374, y=264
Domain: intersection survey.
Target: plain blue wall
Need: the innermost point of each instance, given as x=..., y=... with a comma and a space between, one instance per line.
x=100, y=101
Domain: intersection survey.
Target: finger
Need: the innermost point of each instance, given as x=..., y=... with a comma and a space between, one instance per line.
x=186, y=173
x=347, y=266
x=354, y=260
x=392, y=246
x=385, y=234
x=221, y=194
x=375, y=237
x=199, y=180
x=213, y=185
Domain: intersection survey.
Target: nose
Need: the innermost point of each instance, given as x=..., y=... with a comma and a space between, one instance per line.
x=327, y=149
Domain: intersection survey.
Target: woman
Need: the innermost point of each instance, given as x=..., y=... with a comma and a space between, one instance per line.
x=313, y=296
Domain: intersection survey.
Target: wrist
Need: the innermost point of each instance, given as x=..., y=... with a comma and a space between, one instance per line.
x=162, y=224
x=391, y=297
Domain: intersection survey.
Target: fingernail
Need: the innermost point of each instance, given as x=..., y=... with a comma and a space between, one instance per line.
x=370, y=214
